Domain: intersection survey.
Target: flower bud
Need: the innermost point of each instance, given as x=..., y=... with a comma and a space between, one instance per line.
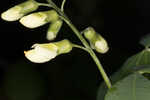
x=19, y=10
x=97, y=42
x=42, y=53
x=37, y=19
x=89, y=33
x=53, y=29
x=101, y=45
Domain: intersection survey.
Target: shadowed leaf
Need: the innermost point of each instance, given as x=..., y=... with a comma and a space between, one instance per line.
x=133, y=87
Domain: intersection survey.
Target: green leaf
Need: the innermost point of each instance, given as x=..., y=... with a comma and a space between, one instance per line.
x=138, y=60
x=145, y=41
x=102, y=90
x=142, y=69
x=133, y=87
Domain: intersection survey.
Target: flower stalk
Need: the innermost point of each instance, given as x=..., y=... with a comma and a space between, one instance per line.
x=89, y=49
x=91, y=52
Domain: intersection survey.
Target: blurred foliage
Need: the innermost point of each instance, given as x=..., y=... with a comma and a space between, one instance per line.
x=133, y=87
x=138, y=62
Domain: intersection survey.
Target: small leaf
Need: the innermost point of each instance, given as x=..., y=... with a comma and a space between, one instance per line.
x=145, y=41
x=133, y=87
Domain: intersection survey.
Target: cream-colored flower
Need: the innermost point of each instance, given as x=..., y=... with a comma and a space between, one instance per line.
x=41, y=53
x=19, y=10
x=34, y=20
x=12, y=14
x=37, y=19
x=101, y=46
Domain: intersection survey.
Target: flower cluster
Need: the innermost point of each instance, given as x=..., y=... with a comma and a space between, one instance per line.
x=21, y=12
x=41, y=53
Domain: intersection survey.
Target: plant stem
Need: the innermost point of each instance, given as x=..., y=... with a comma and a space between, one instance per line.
x=62, y=6
x=44, y=4
x=81, y=47
x=91, y=52
x=101, y=69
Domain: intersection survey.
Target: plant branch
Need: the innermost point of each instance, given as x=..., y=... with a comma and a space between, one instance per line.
x=80, y=47
x=44, y=4
x=78, y=34
x=62, y=5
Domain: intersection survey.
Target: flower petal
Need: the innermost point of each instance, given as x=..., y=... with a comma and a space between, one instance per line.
x=34, y=20
x=40, y=54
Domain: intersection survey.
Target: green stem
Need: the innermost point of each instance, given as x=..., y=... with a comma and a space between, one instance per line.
x=91, y=52
x=80, y=47
x=44, y=4
x=101, y=69
x=62, y=5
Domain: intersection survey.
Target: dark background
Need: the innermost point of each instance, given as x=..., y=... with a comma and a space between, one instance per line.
x=72, y=76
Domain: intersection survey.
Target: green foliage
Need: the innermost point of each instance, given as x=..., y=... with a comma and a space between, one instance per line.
x=140, y=59
x=133, y=87
x=138, y=62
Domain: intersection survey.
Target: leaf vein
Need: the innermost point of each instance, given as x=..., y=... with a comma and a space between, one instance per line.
x=134, y=88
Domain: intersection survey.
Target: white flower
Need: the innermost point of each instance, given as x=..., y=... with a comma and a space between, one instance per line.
x=12, y=14
x=101, y=46
x=34, y=20
x=19, y=10
x=41, y=53
x=37, y=19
